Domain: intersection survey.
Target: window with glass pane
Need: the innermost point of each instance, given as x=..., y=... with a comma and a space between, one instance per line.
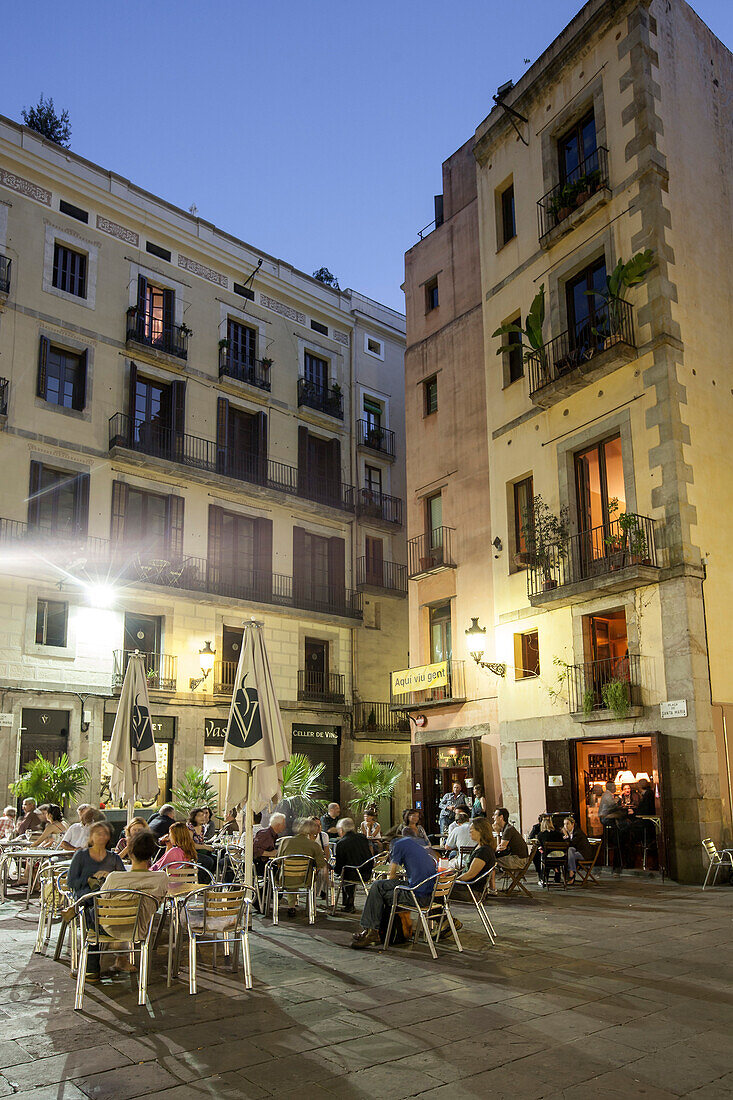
x=432, y=299
x=69, y=270
x=242, y=343
x=431, y=395
x=601, y=492
x=373, y=479
x=372, y=414
x=434, y=516
x=57, y=501
x=577, y=150
x=316, y=569
x=316, y=371
x=152, y=414
x=587, y=313
x=508, y=222
x=146, y=521
x=515, y=353
x=51, y=620
x=156, y=313
x=63, y=378
x=523, y=505
x=441, y=647
x=528, y=652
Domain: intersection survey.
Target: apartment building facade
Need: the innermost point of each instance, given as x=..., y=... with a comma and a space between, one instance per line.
x=194, y=434
x=607, y=441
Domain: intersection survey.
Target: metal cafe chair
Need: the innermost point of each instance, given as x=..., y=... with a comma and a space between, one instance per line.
x=433, y=907
x=235, y=853
x=218, y=914
x=52, y=902
x=717, y=859
x=114, y=917
x=585, y=867
x=292, y=875
x=362, y=878
x=68, y=902
x=183, y=878
x=478, y=891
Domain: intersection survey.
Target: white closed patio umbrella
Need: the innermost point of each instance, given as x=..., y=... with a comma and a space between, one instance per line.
x=132, y=748
x=255, y=747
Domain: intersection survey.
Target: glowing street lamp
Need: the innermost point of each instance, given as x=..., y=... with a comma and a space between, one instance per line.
x=476, y=642
x=207, y=657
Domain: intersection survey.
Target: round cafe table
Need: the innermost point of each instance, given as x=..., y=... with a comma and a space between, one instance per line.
x=33, y=857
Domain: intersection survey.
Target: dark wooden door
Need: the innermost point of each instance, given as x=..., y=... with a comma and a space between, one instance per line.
x=316, y=666
x=558, y=764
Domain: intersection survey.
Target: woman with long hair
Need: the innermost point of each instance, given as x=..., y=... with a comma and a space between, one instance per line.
x=180, y=847
x=483, y=858
x=54, y=826
x=87, y=873
x=412, y=827
x=123, y=844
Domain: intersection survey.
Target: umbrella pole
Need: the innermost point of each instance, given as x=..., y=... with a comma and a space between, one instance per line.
x=249, y=834
x=130, y=809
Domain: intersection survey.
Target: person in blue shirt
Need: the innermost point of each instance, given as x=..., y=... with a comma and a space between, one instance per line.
x=418, y=864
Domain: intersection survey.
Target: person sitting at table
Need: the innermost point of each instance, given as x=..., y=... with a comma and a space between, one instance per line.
x=31, y=820
x=161, y=821
x=610, y=809
x=511, y=851
x=142, y=848
x=483, y=858
x=580, y=846
x=352, y=850
x=77, y=835
x=179, y=847
x=459, y=836
x=209, y=825
x=136, y=826
x=321, y=837
x=421, y=870
x=330, y=820
x=231, y=825
x=54, y=827
x=626, y=796
x=371, y=829
x=199, y=823
x=412, y=827
x=302, y=844
x=87, y=874
x=645, y=803
x=265, y=842
x=7, y=822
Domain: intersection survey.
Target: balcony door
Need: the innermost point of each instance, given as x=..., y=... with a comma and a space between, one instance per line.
x=607, y=651
x=151, y=416
x=231, y=645
x=577, y=150
x=441, y=643
x=242, y=349
x=601, y=496
x=316, y=667
x=155, y=306
x=143, y=633
x=587, y=312
x=237, y=570
x=374, y=560
x=315, y=371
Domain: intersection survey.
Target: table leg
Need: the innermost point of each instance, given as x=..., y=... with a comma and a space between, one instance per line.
x=170, y=941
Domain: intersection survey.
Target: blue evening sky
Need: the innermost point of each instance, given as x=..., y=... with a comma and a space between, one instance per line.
x=315, y=131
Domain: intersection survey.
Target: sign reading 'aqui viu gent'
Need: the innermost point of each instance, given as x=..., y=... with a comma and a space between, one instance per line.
x=418, y=679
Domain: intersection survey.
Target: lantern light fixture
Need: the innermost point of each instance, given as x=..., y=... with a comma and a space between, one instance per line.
x=476, y=642
x=206, y=656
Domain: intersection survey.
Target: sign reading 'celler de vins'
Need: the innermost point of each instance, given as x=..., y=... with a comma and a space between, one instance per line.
x=419, y=679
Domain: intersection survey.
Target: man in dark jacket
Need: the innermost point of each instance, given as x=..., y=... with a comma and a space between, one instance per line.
x=161, y=821
x=580, y=846
x=352, y=850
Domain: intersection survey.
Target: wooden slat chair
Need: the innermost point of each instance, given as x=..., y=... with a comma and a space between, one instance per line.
x=363, y=875
x=292, y=875
x=433, y=907
x=218, y=914
x=514, y=876
x=478, y=891
x=586, y=867
x=114, y=917
x=717, y=859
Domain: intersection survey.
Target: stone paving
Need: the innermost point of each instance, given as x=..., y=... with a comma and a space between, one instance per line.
x=619, y=991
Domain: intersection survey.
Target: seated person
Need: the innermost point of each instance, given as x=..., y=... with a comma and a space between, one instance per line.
x=179, y=848
x=352, y=850
x=76, y=836
x=419, y=865
x=483, y=859
x=199, y=823
x=137, y=825
x=31, y=819
x=265, y=842
x=207, y=823
x=54, y=827
x=547, y=834
x=580, y=846
x=627, y=796
x=534, y=834
x=7, y=822
x=330, y=820
x=511, y=851
x=459, y=836
x=302, y=844
x=371, y=829
x=87, y=874
x=413, y=828
x=610, y=810
x=478, y=808
x=160, y=822
x=644, y=803
x=142, y=847
x=231, y=825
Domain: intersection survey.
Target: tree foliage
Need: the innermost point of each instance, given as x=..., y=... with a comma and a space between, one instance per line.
x=47, y=782
x=373, y=783
x=194, y=791
x=324, y=276
x=43, y=119
x=301, y=786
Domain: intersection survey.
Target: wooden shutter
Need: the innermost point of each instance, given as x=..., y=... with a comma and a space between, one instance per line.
x=337, y=572
x=558, y=799
x=303, y=474
x=334, y=472
x=263, y=558
x=374, y=560
x=34, y=488
x=216, y=517
x=178, y=418
x=222, y=434
x=81, y=504
x=43, y=349
x=174, y=516
x=169, y=302
x=131, y=399
x=300, y=565
x=142, y=298
x=262, y=447
x=119, y=509
x=80, y=391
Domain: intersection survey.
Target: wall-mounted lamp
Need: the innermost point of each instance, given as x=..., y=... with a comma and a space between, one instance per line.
x=476, y=641
x=207, y=656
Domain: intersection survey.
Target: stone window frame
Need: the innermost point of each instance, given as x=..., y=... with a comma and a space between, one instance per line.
x=157, y=279
x=591, y=96
x=622, y=600
x=229, y=312
x=54, y=236
x=499, y=192
x=69, y=343
x=31, y=648
x=557, y=307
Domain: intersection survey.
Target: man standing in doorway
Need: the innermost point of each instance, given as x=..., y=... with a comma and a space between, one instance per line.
x=455, y=799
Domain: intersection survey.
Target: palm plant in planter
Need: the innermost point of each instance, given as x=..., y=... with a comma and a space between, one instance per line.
x=301, y=785
x=373, y=783
x=45, y=781
x=194, y=791
x=624, y=275
x=532, y=339
x=546, y=535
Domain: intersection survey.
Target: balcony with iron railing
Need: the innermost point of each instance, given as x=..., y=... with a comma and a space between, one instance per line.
x=598, y=689
x=574, y=198
x=152, y=332
x=5, y=267
x=321, y=687
x=387, y=576
x=324, y=398
x=615, y=557
x=4, y=394
x=453, y=691
x=255, y=372
x=591, y=349
x=160, y=669
x=430, y=552
x=375, y=438
x=371, y=504
x=380, y=722
x=224, y=675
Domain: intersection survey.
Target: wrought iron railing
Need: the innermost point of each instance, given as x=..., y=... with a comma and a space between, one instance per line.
x=380, y=718
x=433, y=550
x=325, y=490
x=371, y=504
x=611, y=684
x=327, y=399
x=612, y=323
x=4, y=391
x=453, y=691
x=382, y=574
x=622, y=542
x=321, y=687
x=155, y=333
x=590, y=176
x=224, y=676
x=160, y=669
x=252, y=371
x=5, y=265
x=375, y=437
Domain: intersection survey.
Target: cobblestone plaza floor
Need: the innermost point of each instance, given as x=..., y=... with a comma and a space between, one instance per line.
x=619, y=991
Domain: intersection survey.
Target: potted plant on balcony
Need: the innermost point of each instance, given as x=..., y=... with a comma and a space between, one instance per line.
x=374, y=436
x=546, y=535
x=624, y=275
x=223, y=345
x=532, y=340
x=589, y=702
x=566, y=200
x=635, y=539
x=185, y=331
x=266, y=363
x=616, y=697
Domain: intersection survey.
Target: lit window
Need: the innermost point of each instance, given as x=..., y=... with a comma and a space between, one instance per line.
x=527, y=655
x=51, y=619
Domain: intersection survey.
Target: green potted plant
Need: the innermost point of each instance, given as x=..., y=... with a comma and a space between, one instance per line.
x=185, y=331
x=625, y=274
x=223, y=344
x=546, y=534
x=615, y=695
x=301, y=785
x=45, y=781
x=194, y=791
x=374, y=436
x=266, y=363
x=373, y=783
x=589, y=702
x=566, y=201
x=532, y=340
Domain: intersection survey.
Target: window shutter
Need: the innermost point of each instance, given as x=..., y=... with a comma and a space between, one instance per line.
x=334, y=472
x=168, y=307
x=336, y=572
x=302, y=460
x=80, y=390
x=131, y=399
x=34, y=503
x=175, y=527
x=178, y=416
x=216, y=516
x=262, y=446
x=142, y=295
x=81, y=505
x=119, y=508
x=43, y=347
x=263, y=558
x=300, y=571
x=222, y=434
